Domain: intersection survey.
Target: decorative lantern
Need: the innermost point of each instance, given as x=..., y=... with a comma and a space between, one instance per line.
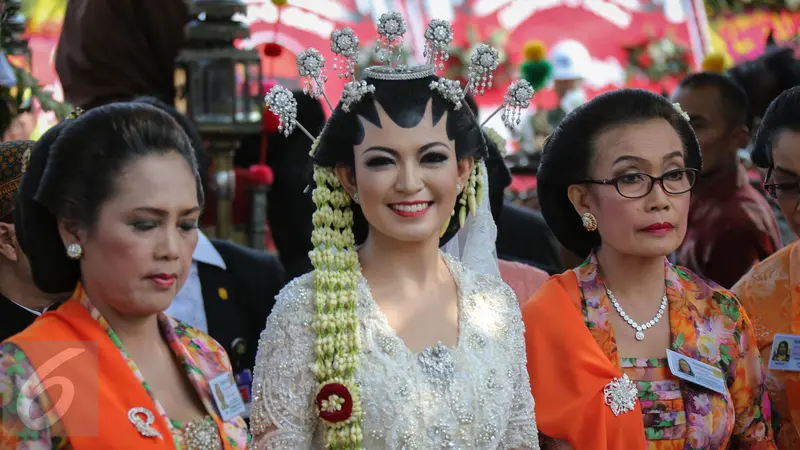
x=219, y=87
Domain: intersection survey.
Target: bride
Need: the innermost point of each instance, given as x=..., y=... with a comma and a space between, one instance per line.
x=393, y=344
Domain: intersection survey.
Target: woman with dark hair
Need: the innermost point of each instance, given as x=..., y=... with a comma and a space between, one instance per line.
x=614, y=185
x=109, y=208
x=393, y=344
x=769, y=292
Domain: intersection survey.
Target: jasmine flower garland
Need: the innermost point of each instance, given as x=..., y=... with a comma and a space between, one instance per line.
x=337, y=346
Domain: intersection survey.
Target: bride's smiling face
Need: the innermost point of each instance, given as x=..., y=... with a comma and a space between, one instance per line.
x=406, y=178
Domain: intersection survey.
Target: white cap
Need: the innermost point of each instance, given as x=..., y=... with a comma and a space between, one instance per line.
x=570, y=60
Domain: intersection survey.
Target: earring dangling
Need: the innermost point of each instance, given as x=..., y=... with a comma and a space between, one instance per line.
x=589, y=221
x=356, y=199
x=458, y=188
x=74, y=251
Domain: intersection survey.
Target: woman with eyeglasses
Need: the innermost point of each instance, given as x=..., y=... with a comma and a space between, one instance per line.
x=770, y=292
x=614, y=186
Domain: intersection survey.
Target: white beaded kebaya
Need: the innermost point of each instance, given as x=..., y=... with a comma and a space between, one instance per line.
x=640, y=329
x=335, y=261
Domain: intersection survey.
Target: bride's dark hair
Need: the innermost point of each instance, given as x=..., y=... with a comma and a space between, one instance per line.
x=405, y=103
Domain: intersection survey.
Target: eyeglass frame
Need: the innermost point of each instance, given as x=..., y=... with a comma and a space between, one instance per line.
x=771, y=188
x=653, y=180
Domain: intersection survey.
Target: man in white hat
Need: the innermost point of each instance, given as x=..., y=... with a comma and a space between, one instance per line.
x=571, y=62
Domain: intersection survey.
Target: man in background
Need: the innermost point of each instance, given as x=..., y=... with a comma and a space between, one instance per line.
x=731, y=225
x=21, y=302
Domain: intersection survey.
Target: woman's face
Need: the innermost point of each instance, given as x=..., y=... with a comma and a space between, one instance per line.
x=406, y=179
x=653, y=225
x=137, y=255
x=783, y=348
x=786, y=159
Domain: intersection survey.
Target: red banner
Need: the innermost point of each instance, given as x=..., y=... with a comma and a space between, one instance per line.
x=745, y=35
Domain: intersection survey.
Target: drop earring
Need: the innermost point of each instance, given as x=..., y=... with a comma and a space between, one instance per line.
x=589, y=221
x=356, y=199
x=458, y=188
x=74, y=251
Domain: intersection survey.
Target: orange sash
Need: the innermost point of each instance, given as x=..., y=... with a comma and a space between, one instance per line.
x=105, y=388
x=568, y=372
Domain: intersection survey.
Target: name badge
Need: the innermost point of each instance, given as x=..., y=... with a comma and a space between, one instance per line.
x=226, y=396
x=785, y=354
x=696, y=372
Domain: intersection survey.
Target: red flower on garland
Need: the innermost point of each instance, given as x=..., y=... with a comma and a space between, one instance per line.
x=334, y=403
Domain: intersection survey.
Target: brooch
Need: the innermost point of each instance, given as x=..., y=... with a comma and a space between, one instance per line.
x=620, y=395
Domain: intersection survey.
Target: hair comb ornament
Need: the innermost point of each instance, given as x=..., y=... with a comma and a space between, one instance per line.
x=391, y=28
x=518, y=97
x=311, y=66
x=353, y=92
x=344, y=45
x=283, y=104
x=450, y=90
x=484, y=62
x=438, y=37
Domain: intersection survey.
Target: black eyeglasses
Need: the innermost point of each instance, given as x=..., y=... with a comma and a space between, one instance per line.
x=785, y=190
x=638, y=185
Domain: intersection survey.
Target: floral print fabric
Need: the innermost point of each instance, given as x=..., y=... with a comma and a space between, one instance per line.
x=770, y=293
x=709, y=325
x=197, y=352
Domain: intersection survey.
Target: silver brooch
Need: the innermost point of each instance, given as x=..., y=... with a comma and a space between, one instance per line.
x=438, y=37
x=437, y=363
x=391, y=28
x=283, y=104
x=202, y=434
x=620, y=395
x=344, y=45
x=450, y=90
x=353, y=92
x=143, y=426
x=484, y=62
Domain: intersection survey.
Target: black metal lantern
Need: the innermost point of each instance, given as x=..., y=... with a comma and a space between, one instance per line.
x=219, y=87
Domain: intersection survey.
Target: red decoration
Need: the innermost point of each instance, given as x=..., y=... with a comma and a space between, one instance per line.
x=262, y=174
x=342, y=392
x=272, y=50
x=644, y=60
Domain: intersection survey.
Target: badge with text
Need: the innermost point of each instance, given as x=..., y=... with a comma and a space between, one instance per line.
x=226, y=395
x=785, y=354
x=696, y=372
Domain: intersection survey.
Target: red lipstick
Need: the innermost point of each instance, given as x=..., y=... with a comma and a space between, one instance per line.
x=410, y=209
x=659, y=228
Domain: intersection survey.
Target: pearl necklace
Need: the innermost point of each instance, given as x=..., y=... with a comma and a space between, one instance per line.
x=639, y=328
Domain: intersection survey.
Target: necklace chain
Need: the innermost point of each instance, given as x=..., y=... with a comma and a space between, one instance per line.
x=638, y=328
